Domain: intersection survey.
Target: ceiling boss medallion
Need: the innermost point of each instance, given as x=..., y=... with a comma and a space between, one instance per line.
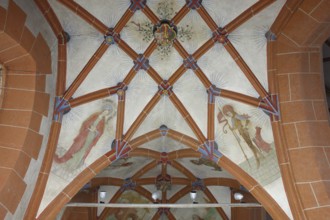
x=165, y=33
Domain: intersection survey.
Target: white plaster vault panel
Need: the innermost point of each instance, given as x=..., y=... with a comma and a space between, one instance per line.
x=84, y=40
x=250, y=41
x=139, y=93
x=79, y=51
x=201, y=32
x=222, y=71
x=165, y=67
x=132, y=36
x=276, y=189
x=195, y=101
x=110, y=70
x=165, y=113
x=176, y=5
x=110, y=12
x=158, y=170
x=164, y=144
x=223, y=13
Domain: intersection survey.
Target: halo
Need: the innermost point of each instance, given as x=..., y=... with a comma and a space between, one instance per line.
x=108, y=104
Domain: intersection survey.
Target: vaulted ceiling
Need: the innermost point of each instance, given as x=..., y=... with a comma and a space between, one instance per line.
x=177, y=113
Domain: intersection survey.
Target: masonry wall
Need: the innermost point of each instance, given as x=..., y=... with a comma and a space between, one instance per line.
x=27, y=62
x=296, y=62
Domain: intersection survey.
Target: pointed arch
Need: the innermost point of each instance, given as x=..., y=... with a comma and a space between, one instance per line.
x=246, y=180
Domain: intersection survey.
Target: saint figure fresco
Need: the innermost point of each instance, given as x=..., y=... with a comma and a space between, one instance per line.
x=239, y=125
x=89, y=134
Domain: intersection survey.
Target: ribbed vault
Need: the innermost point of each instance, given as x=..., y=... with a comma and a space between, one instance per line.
x=129, y=98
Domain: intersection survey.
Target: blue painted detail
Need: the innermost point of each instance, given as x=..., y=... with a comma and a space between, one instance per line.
x=87, y=185
x=213, y=91
x=58, y=117
x=62, y=105
x=203, y=152
x=117, y=146
x=208, y=145
x=125, y=87
x=190, y=63
x=65, y=36
x=165, y=88
x=278, y=116
x=277, y=109
x=194, y=4
x=119, y=151
x=163, y=130
x=211, y=146
x=270, y=104
x=211, y=98
x=215, y=159
x=269, y=113
x=137, y=5
x=243, y=188
x=141, y=63
x=274, y=109
x=198, y=184
x=217, y=153
x=108, y=39
x=113, y=144
x=129, y=184
x=270, y=36
x=111, y=37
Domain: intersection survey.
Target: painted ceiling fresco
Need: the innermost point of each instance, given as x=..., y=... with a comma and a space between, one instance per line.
x=191, y=73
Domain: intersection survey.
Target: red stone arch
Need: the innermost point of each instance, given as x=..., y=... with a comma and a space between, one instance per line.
x=302, y=134
x=26, y=60
x=86, y=175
